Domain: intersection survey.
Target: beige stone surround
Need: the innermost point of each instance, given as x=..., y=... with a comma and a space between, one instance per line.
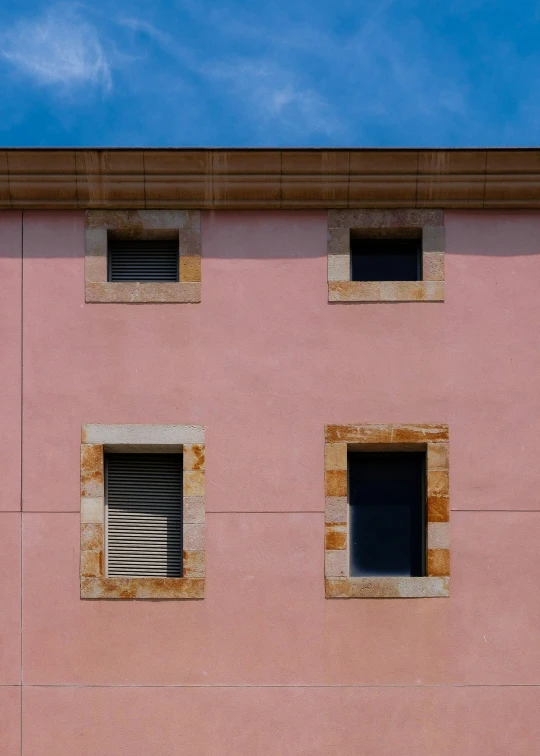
x=142, y=224
x=425, y=224
x=339, y=439
x=97, y=439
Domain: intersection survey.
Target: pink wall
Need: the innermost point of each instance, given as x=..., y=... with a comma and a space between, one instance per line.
x=263, y=362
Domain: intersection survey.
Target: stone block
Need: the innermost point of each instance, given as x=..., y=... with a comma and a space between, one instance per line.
x=92, y=509
x=339, y=268
x=193, y=456
x=193, y=536
x=438, y=508
x=438, y=535
x=92, y=563
x=336, y=509
x=339, y=242
x=438, y=562
x=335, y=537
x=432, y=266
x=194, y=564
x=194, y=483
x=437, y=456
x=359, y=434
x=190, y=268
x=335, y=482
x=437, y=483
x=335, y=456
x=433, y=239
x=336, y=563
x=193, y=509
x=92, y=536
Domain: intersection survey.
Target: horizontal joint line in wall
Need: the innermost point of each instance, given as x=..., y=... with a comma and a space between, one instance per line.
x=250, y=511
x=285, y=685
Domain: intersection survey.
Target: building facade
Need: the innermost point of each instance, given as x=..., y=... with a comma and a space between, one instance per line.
x=271, y=367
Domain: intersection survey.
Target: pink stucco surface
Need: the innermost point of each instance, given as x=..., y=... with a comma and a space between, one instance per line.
x=10, y=721
x=266, y=665
x=10, y=352
x=10, y=598
x=282, y=721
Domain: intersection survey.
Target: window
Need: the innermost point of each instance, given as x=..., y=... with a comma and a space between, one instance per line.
x=137, y=256
x=386, y=259
x=142, y=512
x=143, y=506
x=142, y=260
x=386, y=511
x=386, y=255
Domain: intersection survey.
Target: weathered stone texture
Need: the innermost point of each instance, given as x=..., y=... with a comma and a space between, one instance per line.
x=143, y=224
x=438, y=562
x=340, y=439
x=385, y=224
x=387, y=587
x=155, y=438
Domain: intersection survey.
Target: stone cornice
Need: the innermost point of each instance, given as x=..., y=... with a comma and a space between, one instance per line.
x=59, y=179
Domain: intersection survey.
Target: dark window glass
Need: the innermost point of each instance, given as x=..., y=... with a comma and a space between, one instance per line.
x=387, y=513
x=386, y=259
x=143, y=260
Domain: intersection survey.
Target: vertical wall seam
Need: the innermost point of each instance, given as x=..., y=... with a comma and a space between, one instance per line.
x=21, y=491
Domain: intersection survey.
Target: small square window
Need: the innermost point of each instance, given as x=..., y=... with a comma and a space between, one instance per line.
x=387, y=513
x=142, y=260
x=386, y=255
x=386, y=259
x=142, y=256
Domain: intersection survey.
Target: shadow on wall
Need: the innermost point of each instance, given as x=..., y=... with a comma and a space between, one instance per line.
x=271, y=234
x=226, y=234
x=508, y=233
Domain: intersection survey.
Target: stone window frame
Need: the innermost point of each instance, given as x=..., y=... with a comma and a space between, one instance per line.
x=339, y=439
x=96, y=440
x=385, y=224
x=142, y=224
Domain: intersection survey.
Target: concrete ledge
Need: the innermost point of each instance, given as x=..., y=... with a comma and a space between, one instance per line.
x=126, y=292
x=142, y=588
x=142, y=434
x=387, y=587
x=385, y=291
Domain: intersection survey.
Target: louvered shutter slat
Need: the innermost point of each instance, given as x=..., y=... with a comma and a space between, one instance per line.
x=144, y=260
x=144, y=515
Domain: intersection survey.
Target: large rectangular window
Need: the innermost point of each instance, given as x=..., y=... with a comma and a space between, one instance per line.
x=143, y=502
x=387, y=517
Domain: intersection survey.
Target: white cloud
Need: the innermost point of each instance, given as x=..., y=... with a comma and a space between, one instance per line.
x=58, y=48
x=139, y=25
x=273, y=96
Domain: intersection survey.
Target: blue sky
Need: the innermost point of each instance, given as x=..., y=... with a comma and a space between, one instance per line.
x=274, y=73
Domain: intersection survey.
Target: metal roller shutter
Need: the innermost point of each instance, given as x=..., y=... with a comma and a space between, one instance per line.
x=143, y=260
x=144, y=515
